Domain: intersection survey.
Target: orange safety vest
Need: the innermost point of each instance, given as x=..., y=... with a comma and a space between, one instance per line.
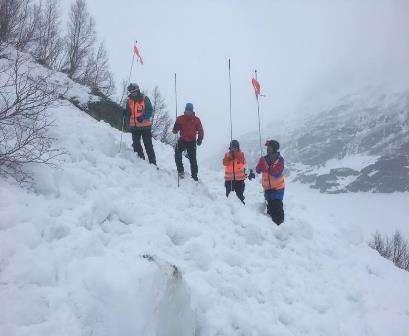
x=137, y=109
x=234, y=170
x=270, y=182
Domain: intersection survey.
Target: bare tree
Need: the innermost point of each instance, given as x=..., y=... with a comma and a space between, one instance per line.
x=33, y=26
x=48, y=41
x=24, y=122
x=9, y=18
x=394, y=248
x=80, y=40
x=29, y=24
x=162, y=123
x=124, y=92
x=97, y=74
x=19, y=21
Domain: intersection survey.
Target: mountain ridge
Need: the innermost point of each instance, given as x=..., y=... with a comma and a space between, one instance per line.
x=367, y=123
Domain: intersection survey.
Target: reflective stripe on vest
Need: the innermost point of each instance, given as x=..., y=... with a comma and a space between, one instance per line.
x=137, y=109
x=270, y=182
x=235, y=171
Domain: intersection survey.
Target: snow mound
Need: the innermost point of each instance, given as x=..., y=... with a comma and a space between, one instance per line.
x=75, y=253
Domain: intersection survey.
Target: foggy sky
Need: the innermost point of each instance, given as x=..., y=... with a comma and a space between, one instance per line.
x=301, y=49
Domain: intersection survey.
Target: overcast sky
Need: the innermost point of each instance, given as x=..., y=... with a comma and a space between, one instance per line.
x=302, y=50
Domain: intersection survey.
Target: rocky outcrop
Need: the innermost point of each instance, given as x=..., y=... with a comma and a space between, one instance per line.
x=388, y=174
x=370, y=124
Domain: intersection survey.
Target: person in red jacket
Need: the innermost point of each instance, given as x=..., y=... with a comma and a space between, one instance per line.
x=271, y=167
x=191, y=134
x=234, y=164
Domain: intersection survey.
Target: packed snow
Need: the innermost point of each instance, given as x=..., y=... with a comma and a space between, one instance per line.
x=106, y=244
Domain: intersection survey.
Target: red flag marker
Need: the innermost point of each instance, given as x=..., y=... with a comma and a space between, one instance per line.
x=137, y=53
x=256, y=86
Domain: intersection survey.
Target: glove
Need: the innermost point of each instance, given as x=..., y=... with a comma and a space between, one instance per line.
x=198, y=142
x=251, y=175
x=139, y=119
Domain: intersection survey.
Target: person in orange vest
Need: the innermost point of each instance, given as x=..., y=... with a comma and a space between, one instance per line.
x=271, y=167
x=138, y=116
x=234, y=164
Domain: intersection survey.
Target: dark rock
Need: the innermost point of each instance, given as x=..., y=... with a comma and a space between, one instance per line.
x=102, y=109
x=386, y=175
x=306, y=178
x=362, y=183
x=325, y=182
x=106, y=110
x=343, y=172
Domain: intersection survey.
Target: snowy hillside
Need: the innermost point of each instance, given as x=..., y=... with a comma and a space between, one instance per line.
x=72, y=247
x=358, y=144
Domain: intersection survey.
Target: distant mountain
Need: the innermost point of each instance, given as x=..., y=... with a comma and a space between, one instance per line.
x=361, y=143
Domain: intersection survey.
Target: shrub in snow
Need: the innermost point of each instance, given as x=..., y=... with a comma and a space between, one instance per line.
x=19, y=22
x=34, y=27
x=48, y=46
x=83, y=62
x=79, y=41
x=97, y=74
x=24, y=98
x=394, y=248
x=162, y=122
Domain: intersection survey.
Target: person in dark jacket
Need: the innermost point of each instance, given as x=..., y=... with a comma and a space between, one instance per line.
x=191, y=134
x=138, y=116
x=234, y=164
x=271, y=167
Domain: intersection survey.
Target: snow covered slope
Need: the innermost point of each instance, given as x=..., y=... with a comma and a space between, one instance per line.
x=71, y=256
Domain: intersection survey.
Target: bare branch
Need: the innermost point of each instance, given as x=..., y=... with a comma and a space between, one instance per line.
x=80, y=40
x=24, y=122
x=162, y=123
x=394, y=248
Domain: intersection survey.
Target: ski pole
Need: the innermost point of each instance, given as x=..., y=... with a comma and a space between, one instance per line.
x=122, y=131
x=122, y=98
x=176, y=115
x=231, y=122
x=130, y=71
x=258, y=115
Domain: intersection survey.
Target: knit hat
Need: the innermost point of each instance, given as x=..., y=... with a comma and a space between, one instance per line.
x=273, y=143
x=132, y=87
x=234, y=144
x=189, y=107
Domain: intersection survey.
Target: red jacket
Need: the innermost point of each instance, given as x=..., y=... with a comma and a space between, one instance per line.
x=189, y=126
x=275, y=168
x=272, y=172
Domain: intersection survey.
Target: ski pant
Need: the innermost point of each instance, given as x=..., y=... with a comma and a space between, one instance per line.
x=190, y=146
x=237, y=187
x=274, y=199
x=146, y=134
